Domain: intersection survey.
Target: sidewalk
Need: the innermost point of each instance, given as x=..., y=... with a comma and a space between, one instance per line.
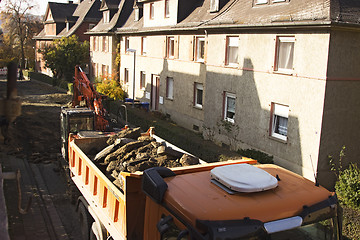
x=42, y=220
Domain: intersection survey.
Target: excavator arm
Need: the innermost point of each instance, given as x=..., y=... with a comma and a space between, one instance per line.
x=84, y=90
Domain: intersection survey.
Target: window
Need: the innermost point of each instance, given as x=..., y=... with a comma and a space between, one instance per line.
x=152, y=9
x=106, y=16
x=127, y=43
x=137, y=14
x=167, y=8
x=232, y=50
x=170, y=88
x=214, y=5
x=142, y=79
x=104, y=70
x=170, y=47
x=104, y=44
x=261, y=1
x=200, y=49
x=198, y=95
x=284, y=54
x=97, y=44
x=143, y=46
x=94, y=43
x=229, y=107
x=126, y=76
x=279, y=121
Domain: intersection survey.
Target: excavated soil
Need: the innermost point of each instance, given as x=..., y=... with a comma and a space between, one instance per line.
x=35, y=134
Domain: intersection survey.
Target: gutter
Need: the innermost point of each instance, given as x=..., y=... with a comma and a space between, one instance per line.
x=325, y=24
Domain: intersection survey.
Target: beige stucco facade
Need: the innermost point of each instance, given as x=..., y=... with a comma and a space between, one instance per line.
x=255, y=84
x=102, y=55
x=246, y=92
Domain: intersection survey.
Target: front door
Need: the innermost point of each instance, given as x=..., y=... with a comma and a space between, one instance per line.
x=155, y=84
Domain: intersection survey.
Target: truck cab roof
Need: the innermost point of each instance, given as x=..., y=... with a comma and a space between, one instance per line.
x=193, y=197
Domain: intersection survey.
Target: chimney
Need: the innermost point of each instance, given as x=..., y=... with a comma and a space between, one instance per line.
x=70, y=2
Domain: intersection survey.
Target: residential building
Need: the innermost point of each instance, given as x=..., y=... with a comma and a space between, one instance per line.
x=103, y=40
x=278, y=76
x=64, y=20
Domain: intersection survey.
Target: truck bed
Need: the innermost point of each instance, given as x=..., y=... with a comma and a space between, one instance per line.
x=120, y=210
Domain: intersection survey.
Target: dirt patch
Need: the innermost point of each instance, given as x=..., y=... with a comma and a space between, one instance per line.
x=35, y=135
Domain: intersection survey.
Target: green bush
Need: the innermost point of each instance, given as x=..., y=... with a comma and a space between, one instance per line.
x=111, y=88
x=261, y=157
x=347, y=186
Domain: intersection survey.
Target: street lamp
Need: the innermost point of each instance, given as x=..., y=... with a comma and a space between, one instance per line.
x=133, y=51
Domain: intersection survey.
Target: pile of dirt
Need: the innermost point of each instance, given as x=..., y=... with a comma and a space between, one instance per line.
x=130, y=151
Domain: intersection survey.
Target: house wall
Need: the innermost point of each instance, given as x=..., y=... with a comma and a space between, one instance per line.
x=255, y=84
x=159, y=14
x=340, y=126
x=100, y=56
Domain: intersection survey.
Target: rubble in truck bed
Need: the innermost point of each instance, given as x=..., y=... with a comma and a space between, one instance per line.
x=130, y=151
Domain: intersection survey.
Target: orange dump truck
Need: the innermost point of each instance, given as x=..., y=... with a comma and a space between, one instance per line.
x=227, y=200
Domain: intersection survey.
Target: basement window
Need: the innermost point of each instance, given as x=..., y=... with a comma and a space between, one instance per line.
x=199, y=89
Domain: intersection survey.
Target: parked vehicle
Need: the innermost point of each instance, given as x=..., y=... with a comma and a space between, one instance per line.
x=236, y=199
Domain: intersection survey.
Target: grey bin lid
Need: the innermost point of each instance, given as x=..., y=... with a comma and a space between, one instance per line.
x=243, y=178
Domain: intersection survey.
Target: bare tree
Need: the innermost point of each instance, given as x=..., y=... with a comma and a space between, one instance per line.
x=17, y=20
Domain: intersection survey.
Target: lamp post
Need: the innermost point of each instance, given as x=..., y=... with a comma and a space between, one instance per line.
x=133, y=51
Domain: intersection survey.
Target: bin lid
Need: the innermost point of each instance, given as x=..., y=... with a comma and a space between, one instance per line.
x=243, y=178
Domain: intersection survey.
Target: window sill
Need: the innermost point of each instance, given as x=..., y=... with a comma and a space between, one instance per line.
x=231, y=121
x=170, y=99
x=282, y=72
x=278, y=140
x=198, y=107
x=234, y=66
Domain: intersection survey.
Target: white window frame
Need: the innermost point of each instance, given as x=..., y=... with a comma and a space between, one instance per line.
x=106, y=16
x=170, y=47
x=279, y=111
x=279, y=41
x=170, y=88
x=199, y=86
x=259, y=2
x=104, y=43
x=167, y=8
x=229, y=95
x=143, y=45
x=230, y=43
x=127, y=44
x=142, y=80
x=151, y=11
x=197, y=49
x=126, y=76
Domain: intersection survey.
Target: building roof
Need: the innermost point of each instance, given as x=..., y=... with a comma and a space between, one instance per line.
x=110, y=4
x=245, y=14
x=85, y=11
x=60, y=11
x=124, y=10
